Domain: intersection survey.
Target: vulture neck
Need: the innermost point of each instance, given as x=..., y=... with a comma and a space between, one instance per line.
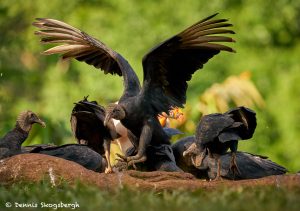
x=19, y=136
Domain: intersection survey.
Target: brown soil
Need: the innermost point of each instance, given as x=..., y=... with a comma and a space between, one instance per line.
x=36, y=167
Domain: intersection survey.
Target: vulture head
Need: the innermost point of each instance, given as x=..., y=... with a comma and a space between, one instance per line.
x=195, y=155
x=114, y=111
x=26, y=119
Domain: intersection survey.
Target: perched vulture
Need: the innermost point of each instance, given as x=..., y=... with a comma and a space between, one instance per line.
x=87, y=126
x=167, y=68
x=250, y=166
x=11, y=143
x=80, y=154
x=216, y=133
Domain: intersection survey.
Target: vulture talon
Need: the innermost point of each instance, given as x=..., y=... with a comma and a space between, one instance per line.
x=134, y=159
x=217, y=178
x=121, y=158
x=108, y=170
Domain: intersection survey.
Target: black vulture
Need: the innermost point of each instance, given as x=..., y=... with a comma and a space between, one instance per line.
x=10, y=144
x=80, y=154
x=216, y=133
x=87, y=126
x=167, y=68
x=250, y=166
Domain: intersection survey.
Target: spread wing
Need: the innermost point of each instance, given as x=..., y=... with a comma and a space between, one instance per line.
x=169, y=66
x=81, y=46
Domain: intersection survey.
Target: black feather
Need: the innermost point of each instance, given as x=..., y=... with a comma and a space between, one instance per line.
x=80, y=154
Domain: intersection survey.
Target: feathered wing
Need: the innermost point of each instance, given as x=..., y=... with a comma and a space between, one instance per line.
x=211, y=126
x=247, y=118
x=100, y=112
x=169, y=66
x=75, y=43
x=92, y=114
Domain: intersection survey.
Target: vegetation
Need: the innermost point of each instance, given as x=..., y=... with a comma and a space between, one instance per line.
x=90, y=198
x=268, y=44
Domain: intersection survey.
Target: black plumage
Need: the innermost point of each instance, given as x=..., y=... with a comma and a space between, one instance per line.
x=10, y=144
x=219, y=132
x=87, y=125
x=160, y=157
x=186, y=163
x=250, y=166
x=167, y=68
x=77, y=153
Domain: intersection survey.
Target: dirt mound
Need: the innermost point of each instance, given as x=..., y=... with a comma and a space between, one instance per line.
x=36, y=167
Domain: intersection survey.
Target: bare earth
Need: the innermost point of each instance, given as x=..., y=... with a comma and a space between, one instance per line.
x=36, y=167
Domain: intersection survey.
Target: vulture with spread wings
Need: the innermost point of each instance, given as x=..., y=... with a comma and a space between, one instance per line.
x=167, y=68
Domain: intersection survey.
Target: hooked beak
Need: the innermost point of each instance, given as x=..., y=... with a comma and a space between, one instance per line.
x=41, y=122
x=190, y=150
x=107, y=119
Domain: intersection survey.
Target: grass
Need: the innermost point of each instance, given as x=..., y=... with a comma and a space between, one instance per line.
x=91, y=198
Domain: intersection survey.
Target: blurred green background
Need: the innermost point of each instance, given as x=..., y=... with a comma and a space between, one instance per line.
x=268, y=46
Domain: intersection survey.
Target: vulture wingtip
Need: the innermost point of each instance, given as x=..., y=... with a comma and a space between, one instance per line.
x=46, y=52
x=38, y=21
x=214, y=15
x=36, y=32
x=37, y=24
x=42, y=19
x=208, y=18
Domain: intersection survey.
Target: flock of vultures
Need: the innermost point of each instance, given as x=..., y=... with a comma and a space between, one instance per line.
x=134, y=121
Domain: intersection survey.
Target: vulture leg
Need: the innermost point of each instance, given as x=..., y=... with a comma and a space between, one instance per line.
x=106, y=145
x=218, y=160
x=209, y=153
x=145, y=139
x=233, y=165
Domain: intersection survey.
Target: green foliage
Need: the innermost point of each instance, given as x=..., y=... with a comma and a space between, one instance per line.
x=267, y=45
x=91, y=198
